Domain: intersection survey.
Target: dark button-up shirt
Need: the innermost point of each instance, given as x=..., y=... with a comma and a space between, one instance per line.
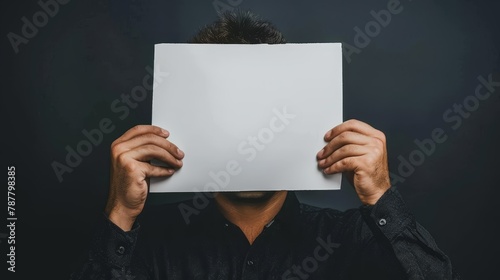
x=193, y=240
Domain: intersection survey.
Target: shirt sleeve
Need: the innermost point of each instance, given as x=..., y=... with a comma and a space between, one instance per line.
x=396, y=234
x=111, y=254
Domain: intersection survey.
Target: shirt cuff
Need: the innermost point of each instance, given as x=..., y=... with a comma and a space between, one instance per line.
x=112, y=245
x=389, y=216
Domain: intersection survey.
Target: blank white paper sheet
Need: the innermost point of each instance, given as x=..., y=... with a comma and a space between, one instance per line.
x=249, y=117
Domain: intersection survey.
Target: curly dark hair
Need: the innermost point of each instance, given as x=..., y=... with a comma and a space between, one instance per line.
x=239, y=27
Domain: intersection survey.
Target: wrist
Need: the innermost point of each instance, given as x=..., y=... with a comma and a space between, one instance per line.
x=121, y=217
x=372, y=198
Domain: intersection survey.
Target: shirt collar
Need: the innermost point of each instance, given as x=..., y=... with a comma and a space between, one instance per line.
x=211, y=217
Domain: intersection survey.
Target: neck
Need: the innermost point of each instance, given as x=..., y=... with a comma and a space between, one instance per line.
x=250, y=217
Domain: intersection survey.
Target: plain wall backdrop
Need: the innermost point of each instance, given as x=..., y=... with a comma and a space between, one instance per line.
x=413, y=72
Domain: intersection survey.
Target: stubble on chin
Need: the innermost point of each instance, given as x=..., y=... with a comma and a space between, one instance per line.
x=249, y=197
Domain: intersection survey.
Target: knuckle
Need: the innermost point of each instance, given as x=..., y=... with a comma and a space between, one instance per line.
x=371, y=160
x=129, y=166
x=115, y=149
x=343, y=150
x=150, y=149
x=123, y=161
x=171, y=146
x=138, y=129
x=327, y=161
x=342, y=137
x=344, y=162
x=377, y=151
x=327, y=150
x=350, y=121
x=148, y=138
x=379, y=142
x=113, y=145
x=381, y=136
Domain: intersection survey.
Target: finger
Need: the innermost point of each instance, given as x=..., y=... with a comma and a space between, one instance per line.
x=147, y=153
x=355, y=126
x=345, y=138
x=350, y=150
x=148, y=139
x=140, y=130
x=157, y=171
x=343, y=165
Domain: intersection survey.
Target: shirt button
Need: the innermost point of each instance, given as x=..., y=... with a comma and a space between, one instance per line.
x=250, y=262
x=382, y=222
x=120, y=250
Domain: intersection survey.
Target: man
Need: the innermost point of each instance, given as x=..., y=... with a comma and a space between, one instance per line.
x=259, y=235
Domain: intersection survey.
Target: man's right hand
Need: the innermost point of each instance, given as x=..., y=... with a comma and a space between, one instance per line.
x=131, y=169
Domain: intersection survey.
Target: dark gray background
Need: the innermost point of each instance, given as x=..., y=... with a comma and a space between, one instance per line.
x=427, y=59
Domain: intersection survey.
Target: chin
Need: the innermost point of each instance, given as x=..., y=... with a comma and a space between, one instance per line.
x=250, y=196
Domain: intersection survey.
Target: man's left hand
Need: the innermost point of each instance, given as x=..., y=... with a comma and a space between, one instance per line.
x=358, y=150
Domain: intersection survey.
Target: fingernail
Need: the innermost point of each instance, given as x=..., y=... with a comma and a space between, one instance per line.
x=328, y=134
x=320, y=153
x=181, y=153
x=165, y=132
x=321, y=162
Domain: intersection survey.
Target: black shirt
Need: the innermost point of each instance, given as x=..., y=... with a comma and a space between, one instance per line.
x=193, y=240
